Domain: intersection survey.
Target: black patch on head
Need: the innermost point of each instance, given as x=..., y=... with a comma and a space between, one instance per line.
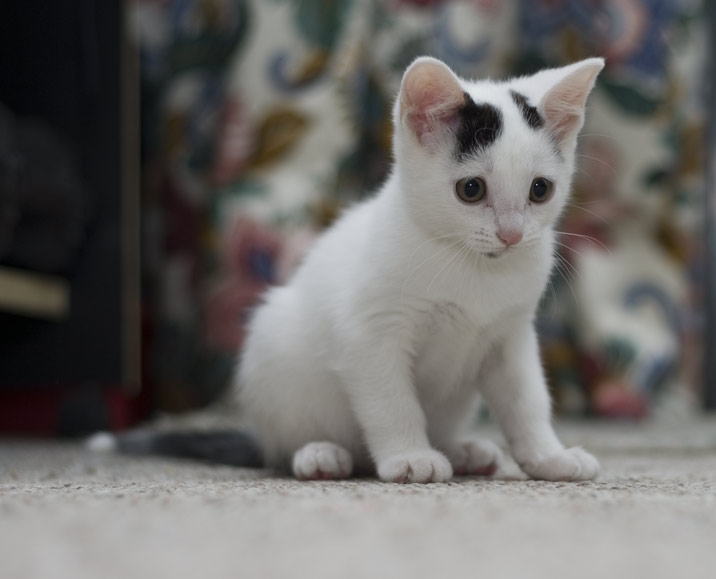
x=530, y=113
x=480, y=126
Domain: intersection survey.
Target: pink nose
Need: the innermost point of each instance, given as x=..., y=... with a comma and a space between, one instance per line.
x=510, y=237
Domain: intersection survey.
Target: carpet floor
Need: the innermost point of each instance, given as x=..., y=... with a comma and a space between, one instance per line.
x=68, y=513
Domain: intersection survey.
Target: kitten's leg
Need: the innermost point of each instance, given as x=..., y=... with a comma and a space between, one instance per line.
x=447, y=429
x=379, y=384
x=514, y=387
x=474, y=456
x=322, y=461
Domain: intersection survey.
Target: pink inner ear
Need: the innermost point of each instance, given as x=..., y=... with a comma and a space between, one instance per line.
x=563, y=105
x=563, y=118
x=429, y=123
x=430, y=98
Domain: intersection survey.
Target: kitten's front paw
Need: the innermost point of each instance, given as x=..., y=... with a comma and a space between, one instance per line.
x=475, y=457
x=570, y=464
x=420, y=466
x=322, y=461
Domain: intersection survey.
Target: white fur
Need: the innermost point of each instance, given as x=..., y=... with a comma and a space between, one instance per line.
x=411, y=305
x=102, y=442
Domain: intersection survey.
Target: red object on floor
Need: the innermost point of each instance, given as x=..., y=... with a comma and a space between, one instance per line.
x=614, y=399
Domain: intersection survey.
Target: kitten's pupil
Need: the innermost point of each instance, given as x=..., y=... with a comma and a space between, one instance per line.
x=541, y=190
x=472, y=188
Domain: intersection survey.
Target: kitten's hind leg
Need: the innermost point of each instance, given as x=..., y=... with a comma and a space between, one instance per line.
x=474, y=457
x=322, y=461
x=449, y=432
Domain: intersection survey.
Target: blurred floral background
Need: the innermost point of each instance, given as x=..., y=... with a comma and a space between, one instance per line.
x=263, y=118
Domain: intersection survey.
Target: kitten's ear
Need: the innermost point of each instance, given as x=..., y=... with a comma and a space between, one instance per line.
x=563, y=103
x=430, y=97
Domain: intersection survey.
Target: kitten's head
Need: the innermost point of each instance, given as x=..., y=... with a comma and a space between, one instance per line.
x=489, y=163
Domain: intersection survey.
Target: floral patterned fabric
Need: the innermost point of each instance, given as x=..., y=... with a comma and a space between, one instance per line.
x=263, y=118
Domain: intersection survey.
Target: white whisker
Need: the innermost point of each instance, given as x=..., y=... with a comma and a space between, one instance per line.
x=601, y=135
x=410, y=258
x=595, y=242
x=570, y=248
x=583, y=203
x=553, y=300
x=564, y=272
x=583, y=172
x=593, y=213
x=430, y=285
x=427, y=259
x=602, y=161
x=465, y=266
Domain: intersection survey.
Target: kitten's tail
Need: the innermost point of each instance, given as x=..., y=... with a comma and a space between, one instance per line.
x=229, y=447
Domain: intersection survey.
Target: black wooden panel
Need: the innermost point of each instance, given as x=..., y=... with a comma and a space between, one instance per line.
x=61, y=63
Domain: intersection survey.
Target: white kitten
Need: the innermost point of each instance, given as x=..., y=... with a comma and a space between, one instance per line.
x=423, y=296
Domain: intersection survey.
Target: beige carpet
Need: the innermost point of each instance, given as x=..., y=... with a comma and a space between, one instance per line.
x=67, y=513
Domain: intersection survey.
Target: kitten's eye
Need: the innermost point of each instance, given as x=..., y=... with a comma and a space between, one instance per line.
x=541, y=190
x=471, y=189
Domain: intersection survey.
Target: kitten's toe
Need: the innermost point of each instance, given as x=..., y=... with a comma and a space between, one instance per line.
x=571, y=464
x=475, y=457
x=322, y=461
x=419, y=466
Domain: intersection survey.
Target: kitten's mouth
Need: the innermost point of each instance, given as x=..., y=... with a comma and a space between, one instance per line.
x=496, y=254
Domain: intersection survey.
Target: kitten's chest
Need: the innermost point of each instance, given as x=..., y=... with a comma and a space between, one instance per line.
x=486, y=292
x=466, y=312
x=459, y=328
x=450, y=348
